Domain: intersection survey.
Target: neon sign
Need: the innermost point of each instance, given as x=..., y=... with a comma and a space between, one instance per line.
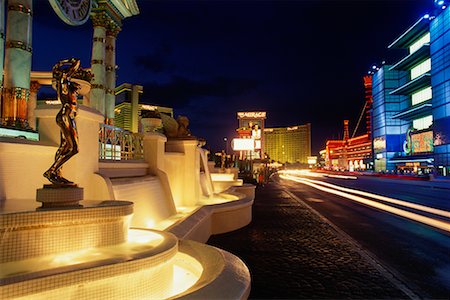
x=243, y=144
x=252, y=114
x=379, y=143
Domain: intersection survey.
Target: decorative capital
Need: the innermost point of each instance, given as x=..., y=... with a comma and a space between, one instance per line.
x=113, y=29
x=100, y=18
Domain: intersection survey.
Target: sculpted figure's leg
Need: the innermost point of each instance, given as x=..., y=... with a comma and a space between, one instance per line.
x=64, y=152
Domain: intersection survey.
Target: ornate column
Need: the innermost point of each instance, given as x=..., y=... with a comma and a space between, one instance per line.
x=110, y=65
x=2, y=47
x=97, y=95
x=16, y=85
x=34, y=88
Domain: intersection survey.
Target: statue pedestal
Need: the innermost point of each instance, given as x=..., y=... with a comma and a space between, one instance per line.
x=53, y=196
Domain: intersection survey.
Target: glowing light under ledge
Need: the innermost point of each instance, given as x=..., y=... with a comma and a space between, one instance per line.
x=136, y=240
x=406, y=214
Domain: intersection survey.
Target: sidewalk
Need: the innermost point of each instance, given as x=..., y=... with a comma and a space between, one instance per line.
x=292, y=253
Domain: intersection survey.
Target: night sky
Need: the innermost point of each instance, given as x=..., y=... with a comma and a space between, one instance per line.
x=301, y=61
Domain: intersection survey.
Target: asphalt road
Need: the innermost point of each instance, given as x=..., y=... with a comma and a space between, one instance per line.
x=418, y=254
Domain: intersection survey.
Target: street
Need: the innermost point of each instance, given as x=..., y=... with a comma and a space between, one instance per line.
x=407, y=232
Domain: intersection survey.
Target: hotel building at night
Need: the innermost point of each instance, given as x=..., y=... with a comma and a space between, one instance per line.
x=128, y=110
x=411, y=113
x=288, y=144
x=349, y=153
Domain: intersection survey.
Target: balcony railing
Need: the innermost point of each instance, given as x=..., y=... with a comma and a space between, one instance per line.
x=118, y=144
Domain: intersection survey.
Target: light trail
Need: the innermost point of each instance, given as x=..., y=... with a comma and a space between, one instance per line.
x=340, y=176
x=420, y=207
x=396, y=211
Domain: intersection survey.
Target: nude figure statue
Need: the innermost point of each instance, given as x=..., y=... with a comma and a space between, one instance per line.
x=67, y=91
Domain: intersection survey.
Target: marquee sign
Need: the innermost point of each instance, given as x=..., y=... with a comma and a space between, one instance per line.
x=379, y=143
x=251, y=115
x=422, y=142
x=243, y=144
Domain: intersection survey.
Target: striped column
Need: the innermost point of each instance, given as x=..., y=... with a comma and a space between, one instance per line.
x=34, y=88
x=97, y=94
x=18, y=49
x=110, y=58
x=2, y=47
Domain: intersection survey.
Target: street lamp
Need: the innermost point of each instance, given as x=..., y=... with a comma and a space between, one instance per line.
x=225, y=139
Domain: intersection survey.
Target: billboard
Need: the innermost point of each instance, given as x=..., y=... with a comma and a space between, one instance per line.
x=379, y=143
x=243, y=144
x=251, y=115
x=422, y=142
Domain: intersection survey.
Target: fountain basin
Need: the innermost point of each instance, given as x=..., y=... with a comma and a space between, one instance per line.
x=151, y=265
x=32, y=231
x=142, y=266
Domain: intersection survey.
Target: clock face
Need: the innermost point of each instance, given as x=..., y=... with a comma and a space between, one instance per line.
x=72, y=12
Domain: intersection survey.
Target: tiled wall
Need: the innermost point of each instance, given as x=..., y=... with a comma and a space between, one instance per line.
x=29, y=234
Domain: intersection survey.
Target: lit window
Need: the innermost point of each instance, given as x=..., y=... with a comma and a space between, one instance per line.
x=419, y=43
x=421, y=96
x=423, y=123
x=421, y=68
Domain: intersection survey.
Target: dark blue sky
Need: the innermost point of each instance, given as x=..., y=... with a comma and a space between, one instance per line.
x=301, y=61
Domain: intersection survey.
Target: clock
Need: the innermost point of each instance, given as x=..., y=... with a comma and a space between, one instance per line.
x=72, y=12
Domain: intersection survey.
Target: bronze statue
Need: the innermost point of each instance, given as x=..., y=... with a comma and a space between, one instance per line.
x=67, y=91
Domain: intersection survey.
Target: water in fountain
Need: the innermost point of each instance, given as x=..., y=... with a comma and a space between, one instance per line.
x=151, y=203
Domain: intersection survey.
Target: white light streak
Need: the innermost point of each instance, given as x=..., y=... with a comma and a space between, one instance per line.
x=386, y=199
x=406, y=214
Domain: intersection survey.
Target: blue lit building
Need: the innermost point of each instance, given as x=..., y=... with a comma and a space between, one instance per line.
x=388, y=133
x=440, y=81
x=411, y=101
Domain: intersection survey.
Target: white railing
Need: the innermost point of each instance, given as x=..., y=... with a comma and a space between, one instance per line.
x=118, y=144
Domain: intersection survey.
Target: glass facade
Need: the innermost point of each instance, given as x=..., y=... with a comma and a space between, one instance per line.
x=440, y=80
x=388, y=133
x=425, y=39
x=421, y=68
x=411, y=102
x=421, y=96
